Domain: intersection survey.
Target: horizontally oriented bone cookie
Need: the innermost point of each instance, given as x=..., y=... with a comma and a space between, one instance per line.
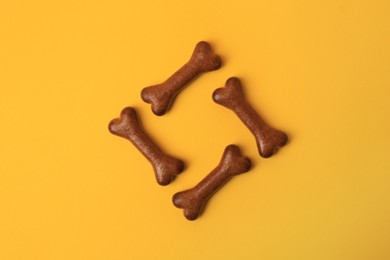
x=268, y=139
x=127, y=126
x=161, y=96
x=193, y=200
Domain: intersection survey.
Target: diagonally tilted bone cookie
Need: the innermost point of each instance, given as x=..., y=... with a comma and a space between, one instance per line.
x=127, y=126
x=268, y=139
x=193, y=200
x=161, y=96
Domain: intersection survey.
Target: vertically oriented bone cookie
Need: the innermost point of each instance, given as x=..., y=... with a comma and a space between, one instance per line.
x=127, y=126
x=193, y=200
x=268, y=139
x=161, y=96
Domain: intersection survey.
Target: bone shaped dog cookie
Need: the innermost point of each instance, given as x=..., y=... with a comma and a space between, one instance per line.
x=127, y=126
x=161, y=96
x=193, y=200
x=268, y=139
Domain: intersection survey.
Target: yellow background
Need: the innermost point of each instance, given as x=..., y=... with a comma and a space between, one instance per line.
x=318, y=70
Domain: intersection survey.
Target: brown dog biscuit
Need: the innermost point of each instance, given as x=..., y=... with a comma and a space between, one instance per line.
x=268, y=139
x=193, y=200
x=127, y=126
x=161, y=96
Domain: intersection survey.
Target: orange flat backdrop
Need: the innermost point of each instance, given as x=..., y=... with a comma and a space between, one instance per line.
x=318, y=70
